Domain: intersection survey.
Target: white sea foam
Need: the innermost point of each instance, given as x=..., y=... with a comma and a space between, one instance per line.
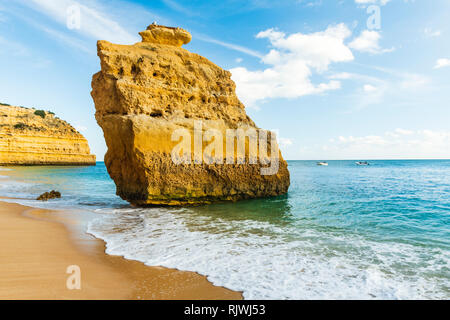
x=269, y=261
x=13, y=187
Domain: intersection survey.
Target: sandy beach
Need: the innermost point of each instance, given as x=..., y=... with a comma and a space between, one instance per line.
x=36, y=248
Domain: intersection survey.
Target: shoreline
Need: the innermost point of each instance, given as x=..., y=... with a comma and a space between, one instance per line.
x=38, y=245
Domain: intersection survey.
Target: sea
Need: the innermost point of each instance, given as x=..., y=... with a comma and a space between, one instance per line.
x=342, y=232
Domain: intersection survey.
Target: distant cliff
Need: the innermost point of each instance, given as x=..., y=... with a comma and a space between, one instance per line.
x=36, y=137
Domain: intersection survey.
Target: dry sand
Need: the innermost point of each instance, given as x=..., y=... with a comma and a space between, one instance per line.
x=36, y=249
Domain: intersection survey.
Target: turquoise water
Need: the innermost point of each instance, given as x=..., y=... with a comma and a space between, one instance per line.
x=342, y=232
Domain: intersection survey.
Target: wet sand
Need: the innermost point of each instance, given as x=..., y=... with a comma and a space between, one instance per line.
x=37, y=246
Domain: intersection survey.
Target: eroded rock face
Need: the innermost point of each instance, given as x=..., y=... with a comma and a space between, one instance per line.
x=31, y=137
x=148, y=91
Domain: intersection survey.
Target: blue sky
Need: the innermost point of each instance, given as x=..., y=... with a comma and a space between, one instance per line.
x=334, y=84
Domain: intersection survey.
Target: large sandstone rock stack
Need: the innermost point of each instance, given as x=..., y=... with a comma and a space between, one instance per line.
x=36, y=137
x=148, y=91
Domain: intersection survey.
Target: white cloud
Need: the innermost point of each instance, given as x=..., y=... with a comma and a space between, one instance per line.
x=238, y=60
x=232, y=46
x=80, y=128
x=95, y=23
x=388, y=86
x=355, y=76
x=314, y=3
x=413, y=81
x=369, y=88
x=174, y=5
x=372, y=91
x=61, y=36
x=403, y=131
x=180, y=8
x=442, y=63
x=432, y=33
x=284, y=142
x=397, y=144
x=292, y=61
x=341, y=76
x=380, y=2
x=368, y=41
x=68, y=40
x=11, y=47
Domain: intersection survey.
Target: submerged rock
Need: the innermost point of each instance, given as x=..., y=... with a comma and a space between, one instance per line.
x=168, y=117
x=49, y=195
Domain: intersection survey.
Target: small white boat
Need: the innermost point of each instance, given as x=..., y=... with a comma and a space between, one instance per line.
x=322, y=163
x=362, y=163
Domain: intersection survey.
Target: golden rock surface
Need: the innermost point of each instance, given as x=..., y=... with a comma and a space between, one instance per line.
x=143, y=94
x=30, y=139
x=166, y=35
